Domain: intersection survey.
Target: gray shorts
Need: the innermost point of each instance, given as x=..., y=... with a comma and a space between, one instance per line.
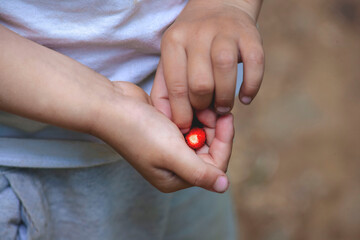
x=106, y=202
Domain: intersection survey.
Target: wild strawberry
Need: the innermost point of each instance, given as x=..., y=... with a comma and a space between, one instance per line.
x=196, y=138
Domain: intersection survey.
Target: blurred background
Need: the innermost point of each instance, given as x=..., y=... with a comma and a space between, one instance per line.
x=295, y=168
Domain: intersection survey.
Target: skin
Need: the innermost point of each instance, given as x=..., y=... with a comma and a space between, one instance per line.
x=199, y=56
x=44, y=85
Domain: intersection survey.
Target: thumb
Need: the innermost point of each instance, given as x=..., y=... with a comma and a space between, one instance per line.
x=191, y=168
x=159, y=93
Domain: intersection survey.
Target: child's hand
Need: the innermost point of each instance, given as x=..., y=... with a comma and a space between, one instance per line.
x=199, y=56
x=58, y=90
x=155, y=146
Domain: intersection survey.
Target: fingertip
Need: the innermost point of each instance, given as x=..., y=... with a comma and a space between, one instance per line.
x=207, y=117
x=245, y=99
x=182, y=119
x=222, y=110
x=184, y=130
x=248, y=92
x=183, y=126
x=221, y=184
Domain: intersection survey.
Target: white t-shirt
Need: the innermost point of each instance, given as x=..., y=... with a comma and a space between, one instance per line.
x=117, y=38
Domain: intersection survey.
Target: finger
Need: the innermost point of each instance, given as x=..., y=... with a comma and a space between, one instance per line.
x=159, y=93
x=168, y=181
x=195, y=171
x=200, y=79
x=252, y=55
x=220, y=149
x=224, y=55
x=208, y=119
x=175, y=73
x=203, y=150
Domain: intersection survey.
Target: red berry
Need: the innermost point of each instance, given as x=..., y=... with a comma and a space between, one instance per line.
x=196, y=138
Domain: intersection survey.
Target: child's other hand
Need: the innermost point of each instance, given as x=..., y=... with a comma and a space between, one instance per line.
x=154, y=145
x=199, y=56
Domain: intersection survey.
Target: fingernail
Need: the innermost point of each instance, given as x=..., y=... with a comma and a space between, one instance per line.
x=222, y=110
x=221, y=184
x=246, y=100
x=184, y=130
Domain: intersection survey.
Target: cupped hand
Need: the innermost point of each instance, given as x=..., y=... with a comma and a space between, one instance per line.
x=199, y=56
x=156, y=148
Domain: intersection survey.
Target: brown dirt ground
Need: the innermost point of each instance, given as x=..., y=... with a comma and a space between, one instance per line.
x=295, y=169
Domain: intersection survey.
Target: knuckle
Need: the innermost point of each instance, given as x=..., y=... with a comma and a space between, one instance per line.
x=199, y=176
x=222, y=166
x=164, y=186
x=165, y=189
x=201, y=87
x=178, y=91
x=224, y=59
x=203, y=32
x=173, y=35
x=256, y=56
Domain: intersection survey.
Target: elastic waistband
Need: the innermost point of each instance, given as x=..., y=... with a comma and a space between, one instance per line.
x=44, y=153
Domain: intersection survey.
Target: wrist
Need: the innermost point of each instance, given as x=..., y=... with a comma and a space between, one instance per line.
x=117, y=107
x=102, y=110
x=251, y=7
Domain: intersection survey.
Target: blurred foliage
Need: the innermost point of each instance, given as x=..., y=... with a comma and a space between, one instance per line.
x=295, y=169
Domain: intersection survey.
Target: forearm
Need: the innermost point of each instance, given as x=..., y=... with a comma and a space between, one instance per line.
x=44, y=85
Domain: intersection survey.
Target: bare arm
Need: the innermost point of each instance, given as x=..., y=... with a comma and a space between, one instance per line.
x=41, y=84
x=44, y=85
